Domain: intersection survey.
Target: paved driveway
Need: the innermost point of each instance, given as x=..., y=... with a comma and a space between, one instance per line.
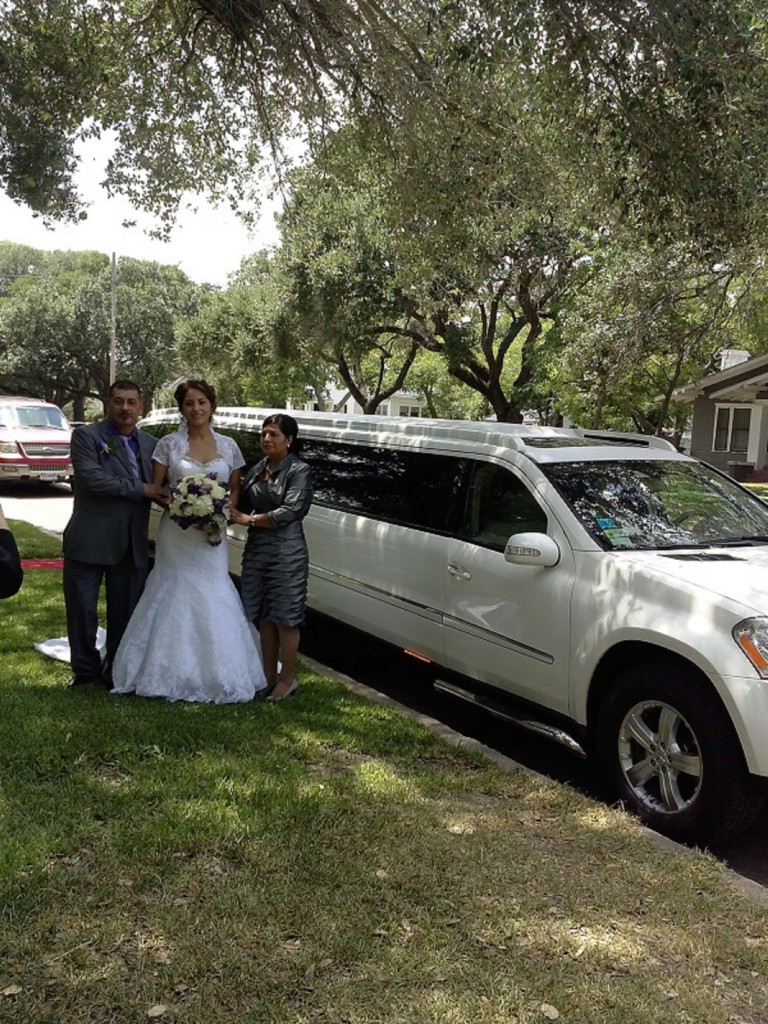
x=47, y=506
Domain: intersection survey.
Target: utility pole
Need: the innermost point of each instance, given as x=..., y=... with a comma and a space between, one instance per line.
x=113, y=326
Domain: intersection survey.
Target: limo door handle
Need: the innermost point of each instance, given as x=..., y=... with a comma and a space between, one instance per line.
x=460, y=574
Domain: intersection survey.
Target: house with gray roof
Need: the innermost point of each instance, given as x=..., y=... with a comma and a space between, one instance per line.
x=729, y=428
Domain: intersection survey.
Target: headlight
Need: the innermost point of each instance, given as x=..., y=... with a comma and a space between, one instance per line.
x=8, y=448
x=752, y=637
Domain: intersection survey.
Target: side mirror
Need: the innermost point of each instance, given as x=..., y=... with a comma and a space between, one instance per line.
x=532, y=549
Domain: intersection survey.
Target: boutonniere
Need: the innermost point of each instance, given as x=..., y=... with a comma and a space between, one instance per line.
x=109, y=447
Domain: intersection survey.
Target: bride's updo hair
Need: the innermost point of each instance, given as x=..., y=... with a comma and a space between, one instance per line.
x=288, y=426
x=199, y=385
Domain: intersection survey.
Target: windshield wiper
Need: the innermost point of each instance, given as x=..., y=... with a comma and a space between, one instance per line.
x=732, y=542
x=676, y=547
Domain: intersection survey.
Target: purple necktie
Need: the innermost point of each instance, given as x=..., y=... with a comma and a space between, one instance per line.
x=131, y=455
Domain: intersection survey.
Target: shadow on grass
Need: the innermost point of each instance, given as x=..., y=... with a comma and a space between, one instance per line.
x=326, y=860
x=334, y=861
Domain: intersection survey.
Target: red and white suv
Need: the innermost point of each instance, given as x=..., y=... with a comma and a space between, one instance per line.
x=34, y=441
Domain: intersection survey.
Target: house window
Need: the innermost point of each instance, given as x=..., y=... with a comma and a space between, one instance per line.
x=732, y=429
x=410, y=410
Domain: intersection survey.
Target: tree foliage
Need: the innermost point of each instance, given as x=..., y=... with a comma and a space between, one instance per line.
x=341, y=301
x=232, y=340
x=445, y=397
x=55, y=323
x=193, y=89
x=453, y=267
x=638, y=323
x=54, y=341
x=468, y=163
x=663, y=103
x=665, y=99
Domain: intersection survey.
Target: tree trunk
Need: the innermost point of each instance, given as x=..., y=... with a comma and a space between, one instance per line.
x=597, y=415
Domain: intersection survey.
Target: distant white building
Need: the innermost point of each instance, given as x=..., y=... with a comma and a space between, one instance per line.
x=402, y=403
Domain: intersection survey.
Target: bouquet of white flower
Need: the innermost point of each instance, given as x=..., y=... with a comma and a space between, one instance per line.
x=200, y=501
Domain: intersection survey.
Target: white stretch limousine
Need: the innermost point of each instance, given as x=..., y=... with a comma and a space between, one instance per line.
x=601, y=588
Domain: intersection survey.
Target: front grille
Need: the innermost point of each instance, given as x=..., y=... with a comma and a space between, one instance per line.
x=53, y=449
x=47, y=467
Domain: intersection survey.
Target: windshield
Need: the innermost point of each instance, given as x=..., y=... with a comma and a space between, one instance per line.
x=24, y=416
x=643, y=505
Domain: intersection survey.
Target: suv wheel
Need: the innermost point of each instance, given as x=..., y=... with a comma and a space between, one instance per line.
x=672, y=756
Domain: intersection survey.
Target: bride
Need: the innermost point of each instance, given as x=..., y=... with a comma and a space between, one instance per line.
x=189, y=638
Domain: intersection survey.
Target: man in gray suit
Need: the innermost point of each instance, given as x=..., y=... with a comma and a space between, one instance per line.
x=106, y=538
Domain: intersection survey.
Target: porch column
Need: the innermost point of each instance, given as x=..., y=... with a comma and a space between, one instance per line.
x=758, y=436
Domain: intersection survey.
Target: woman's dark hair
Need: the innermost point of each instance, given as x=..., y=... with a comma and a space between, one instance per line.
x=288, y=426
x=199, y=385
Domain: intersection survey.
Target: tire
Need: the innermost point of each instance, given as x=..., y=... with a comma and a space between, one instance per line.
x=672, y=757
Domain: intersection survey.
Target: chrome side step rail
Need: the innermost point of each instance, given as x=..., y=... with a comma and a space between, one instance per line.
x=499, y=710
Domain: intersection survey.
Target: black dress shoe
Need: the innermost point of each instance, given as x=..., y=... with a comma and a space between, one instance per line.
x=84, y=681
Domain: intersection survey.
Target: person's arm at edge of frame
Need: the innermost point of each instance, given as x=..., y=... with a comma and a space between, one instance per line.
x=11, y=573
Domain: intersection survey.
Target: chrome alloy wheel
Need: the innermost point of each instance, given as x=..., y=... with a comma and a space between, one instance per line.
x=660, y=757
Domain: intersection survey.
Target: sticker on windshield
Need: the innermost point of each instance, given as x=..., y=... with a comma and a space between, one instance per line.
x=606, y=524
x=618, y=537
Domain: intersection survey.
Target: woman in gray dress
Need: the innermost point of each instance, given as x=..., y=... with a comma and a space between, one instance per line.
x=274, y=498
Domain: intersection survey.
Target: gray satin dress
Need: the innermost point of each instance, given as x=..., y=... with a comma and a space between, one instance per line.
x=273, y=583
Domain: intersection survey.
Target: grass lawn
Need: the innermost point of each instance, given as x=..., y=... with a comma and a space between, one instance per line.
x=761, y=490
x=326, y=860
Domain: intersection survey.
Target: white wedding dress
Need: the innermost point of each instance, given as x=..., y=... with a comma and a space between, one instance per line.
x=189, y=638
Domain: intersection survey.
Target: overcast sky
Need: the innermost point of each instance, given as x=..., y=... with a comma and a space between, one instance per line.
x=207, y=245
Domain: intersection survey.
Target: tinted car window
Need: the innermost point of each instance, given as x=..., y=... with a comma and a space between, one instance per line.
x=659, y=504
x=159, y=429
x=499, y=505
x=398, y=485
x=247, y=440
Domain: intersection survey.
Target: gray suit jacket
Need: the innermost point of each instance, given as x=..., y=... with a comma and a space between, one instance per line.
x=110, y=515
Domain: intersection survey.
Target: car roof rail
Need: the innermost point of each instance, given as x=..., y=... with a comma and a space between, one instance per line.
x=626, y=437
x=508, y=435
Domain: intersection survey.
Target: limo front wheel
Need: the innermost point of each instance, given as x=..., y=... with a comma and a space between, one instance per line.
x=672, y=755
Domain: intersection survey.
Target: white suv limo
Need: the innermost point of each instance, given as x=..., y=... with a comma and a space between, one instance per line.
x=601, y=588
